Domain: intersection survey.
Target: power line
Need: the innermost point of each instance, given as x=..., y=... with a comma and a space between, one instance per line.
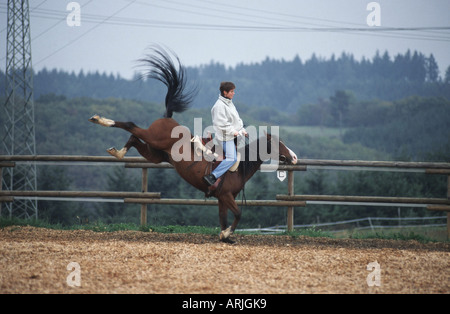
x=85, y=33
x=435, y=33
x=32, y=9
x=281, y=15
x=322, y=27
x=92, y=18
x=54, y=25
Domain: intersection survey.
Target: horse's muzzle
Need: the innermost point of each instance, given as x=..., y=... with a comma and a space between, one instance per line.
x=287, y=161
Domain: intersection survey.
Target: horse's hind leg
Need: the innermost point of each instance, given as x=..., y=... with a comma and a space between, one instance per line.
x=101, y=120
x=127, y=126
x=132, y=141
x=151, y=154
x=156, y=141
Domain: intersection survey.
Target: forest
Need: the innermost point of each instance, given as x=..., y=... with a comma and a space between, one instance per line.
x=268, y=84
x=379, y=109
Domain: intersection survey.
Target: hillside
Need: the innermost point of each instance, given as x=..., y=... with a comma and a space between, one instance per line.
x=271, y=84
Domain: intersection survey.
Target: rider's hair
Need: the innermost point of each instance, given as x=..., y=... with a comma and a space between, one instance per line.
x=226, y=87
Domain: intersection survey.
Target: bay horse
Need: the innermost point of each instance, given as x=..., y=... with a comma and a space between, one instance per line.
x=157, y=143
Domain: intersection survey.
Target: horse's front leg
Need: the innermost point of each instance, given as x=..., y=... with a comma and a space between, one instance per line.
x=223, y=213
x=237, y=214
x=227, y=202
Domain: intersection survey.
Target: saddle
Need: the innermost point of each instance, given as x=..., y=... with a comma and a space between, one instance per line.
x=205, y=146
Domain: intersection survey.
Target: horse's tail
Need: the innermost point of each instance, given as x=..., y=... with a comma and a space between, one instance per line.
x=164, y=70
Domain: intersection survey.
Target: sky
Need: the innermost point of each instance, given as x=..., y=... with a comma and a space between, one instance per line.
x=109, y=36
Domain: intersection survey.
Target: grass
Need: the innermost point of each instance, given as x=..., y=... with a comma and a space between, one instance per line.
x=104, y=227
x=403, y=235
x=418, y=233
x=394, y=235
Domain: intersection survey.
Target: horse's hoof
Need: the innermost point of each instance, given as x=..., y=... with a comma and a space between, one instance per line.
x=102, y=121
x=119, y=154
x=94, y=119
x=224, y=235
x=227, y=240
x=112, y=151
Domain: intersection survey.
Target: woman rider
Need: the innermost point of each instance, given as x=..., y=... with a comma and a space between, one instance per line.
x=227, y=125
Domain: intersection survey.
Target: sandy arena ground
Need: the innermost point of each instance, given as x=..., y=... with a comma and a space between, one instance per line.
x=35, y=260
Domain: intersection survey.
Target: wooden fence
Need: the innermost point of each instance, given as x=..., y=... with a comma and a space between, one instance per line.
x=289, y=200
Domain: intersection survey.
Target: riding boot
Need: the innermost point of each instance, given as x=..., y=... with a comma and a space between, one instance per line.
x=209, y=179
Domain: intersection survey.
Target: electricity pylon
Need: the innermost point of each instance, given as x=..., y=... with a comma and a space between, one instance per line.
x=18, y=109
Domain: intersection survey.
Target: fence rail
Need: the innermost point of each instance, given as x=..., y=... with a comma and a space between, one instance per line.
x=289, y=200
x=369, y=221
x=434, y=203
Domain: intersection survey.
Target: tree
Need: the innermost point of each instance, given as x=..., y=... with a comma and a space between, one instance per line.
x=339, y=106
x=432, y=69
x=119, y=180
x=447, y=76
x=65, y=213
x=418, y=69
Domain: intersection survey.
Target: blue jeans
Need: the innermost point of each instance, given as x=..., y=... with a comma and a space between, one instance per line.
x=229, y=150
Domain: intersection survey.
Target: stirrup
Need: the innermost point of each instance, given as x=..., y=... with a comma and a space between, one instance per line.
x=210, y=179
x=215, y=185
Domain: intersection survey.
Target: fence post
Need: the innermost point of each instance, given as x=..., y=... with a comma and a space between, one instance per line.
x=290, y=212
x=448, y=213
x=3, y=165
x=144, y=189
x=1, y=187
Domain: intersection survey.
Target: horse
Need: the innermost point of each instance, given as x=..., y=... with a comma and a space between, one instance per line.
x=165, y=140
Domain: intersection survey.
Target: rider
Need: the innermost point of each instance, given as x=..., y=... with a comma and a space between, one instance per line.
x=227, y=125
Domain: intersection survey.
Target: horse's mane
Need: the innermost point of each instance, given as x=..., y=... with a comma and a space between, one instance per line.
x=247, y=165
x=164, y=70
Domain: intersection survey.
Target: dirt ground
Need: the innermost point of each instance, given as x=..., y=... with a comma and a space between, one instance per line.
x=36, y=260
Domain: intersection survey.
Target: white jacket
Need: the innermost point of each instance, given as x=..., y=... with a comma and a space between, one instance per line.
x=225, y=119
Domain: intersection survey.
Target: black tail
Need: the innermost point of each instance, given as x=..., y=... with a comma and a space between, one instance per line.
x=164, y=70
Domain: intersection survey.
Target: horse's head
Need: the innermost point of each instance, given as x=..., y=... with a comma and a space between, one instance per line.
x=285, y=154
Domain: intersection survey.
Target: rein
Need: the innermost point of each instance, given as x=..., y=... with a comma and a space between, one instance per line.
x=243, y=198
